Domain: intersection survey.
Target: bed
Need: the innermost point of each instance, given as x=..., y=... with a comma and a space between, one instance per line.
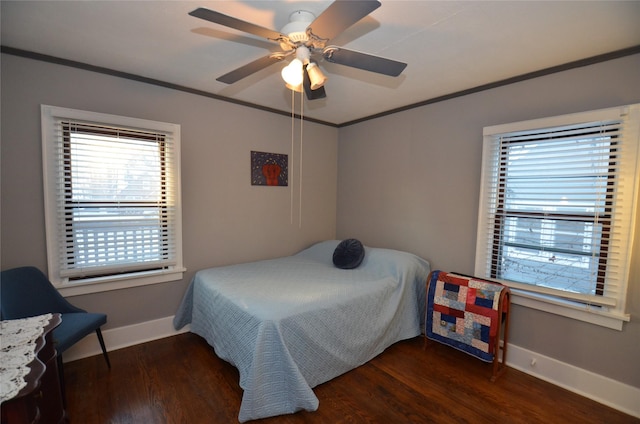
x=292, y=323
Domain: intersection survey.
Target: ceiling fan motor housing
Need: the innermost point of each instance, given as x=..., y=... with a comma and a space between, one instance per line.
x=296, y=29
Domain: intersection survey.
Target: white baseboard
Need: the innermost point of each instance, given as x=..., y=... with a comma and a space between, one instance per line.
x=620, y=396
x=121, y=337
x=607, y=391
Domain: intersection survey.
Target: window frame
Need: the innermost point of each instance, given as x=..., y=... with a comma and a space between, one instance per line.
x=52, y=134
x=608, y=315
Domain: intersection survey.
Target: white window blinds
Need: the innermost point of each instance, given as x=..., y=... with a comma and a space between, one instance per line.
x=557, y=205
x=115, y=198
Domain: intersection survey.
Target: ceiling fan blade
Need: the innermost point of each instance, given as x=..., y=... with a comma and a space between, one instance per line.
x=340, y=15
x=228, y=21
x=318, y=93
x=364, y=61
x=248, y=69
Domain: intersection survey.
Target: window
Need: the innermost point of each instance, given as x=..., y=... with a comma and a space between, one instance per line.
x=557, y=211
x=112, y=199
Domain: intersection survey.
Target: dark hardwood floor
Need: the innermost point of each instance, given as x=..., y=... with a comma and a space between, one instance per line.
x=180, y=380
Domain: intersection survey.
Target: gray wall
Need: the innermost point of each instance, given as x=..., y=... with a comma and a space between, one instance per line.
x=225, y=219
x=408, y=181
x=411, y=181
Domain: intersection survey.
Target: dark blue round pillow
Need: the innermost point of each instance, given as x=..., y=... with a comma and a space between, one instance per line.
x=348, y=254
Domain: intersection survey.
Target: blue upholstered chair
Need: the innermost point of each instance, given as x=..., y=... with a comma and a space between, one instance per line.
x=26, y=292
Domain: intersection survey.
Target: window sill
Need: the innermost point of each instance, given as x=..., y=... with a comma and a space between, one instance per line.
x=569, y=309
x=102, y=284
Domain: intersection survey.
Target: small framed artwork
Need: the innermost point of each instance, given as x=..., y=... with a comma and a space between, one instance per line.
x=270, y=169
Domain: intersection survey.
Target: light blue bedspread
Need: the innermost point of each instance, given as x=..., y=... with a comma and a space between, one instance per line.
x=292, y=323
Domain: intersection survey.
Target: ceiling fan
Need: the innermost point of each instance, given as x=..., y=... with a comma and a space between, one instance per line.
x=305, y=37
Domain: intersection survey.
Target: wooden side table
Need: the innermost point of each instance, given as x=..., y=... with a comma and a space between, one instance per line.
x=40, y=401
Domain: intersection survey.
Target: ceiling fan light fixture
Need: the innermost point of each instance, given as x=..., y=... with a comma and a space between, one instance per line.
x=303, y=54
x=292, y=73
x=316, y=76
x=297, y=88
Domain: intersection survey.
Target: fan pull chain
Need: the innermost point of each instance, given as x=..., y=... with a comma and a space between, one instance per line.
x=293, y=121
x=300, y=178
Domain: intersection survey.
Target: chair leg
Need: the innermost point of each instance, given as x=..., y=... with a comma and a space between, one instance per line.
x=104, y=349
x=63, y=390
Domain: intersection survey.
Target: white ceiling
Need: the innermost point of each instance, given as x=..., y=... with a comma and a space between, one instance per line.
x=449, y=46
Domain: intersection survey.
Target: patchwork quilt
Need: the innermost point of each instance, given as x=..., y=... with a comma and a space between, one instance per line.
x=462, y=312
